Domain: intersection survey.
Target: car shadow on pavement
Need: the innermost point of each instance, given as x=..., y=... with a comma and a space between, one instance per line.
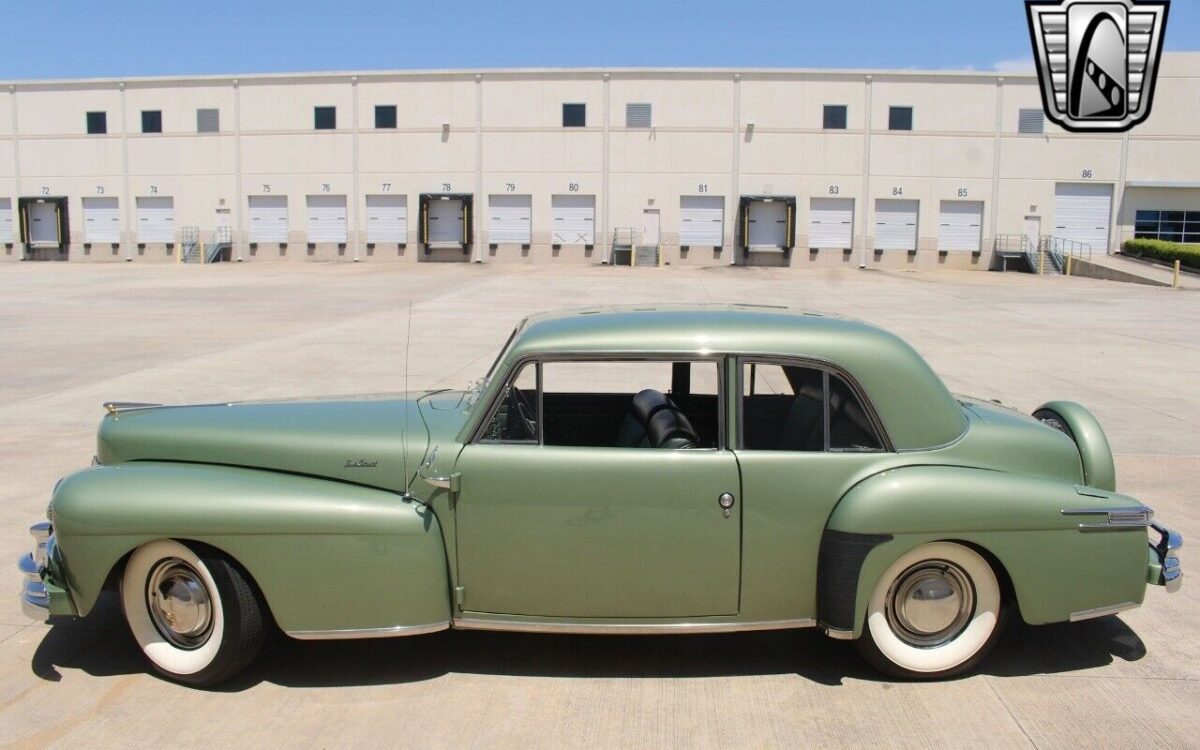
x=100, y=645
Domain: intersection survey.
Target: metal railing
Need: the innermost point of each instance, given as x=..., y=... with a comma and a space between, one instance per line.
x=624, y=245
x=222, y=239
x=189, y=244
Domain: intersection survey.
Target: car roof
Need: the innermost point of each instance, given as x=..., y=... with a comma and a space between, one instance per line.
x=917, y=409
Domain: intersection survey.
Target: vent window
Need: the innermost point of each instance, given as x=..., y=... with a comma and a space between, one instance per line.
x=97, y=123
x=835, y=117
x=574, y=115
x=152, y=121
x=900, y=118
x=325, y=118
x=385, y=116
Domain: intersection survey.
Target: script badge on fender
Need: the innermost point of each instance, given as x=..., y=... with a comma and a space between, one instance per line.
x=1097, y=60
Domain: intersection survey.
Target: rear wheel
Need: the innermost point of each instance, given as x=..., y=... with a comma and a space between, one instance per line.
x=192, y=612
x=933, y=614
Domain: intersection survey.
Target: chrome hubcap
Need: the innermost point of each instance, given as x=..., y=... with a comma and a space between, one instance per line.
x=179, y=603
x=930, y=603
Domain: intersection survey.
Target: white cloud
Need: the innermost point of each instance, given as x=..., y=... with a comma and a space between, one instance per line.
x=1015, y=65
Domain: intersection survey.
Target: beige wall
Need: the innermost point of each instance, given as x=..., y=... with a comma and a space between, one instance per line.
x=718, y=133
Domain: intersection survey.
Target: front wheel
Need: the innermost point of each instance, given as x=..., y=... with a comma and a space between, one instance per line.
x=933, y=614
x=192, y=612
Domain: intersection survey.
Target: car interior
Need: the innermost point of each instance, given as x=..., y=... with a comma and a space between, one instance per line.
x=783, y=408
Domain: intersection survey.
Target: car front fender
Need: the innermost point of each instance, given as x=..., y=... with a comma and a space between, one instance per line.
x=328, y=557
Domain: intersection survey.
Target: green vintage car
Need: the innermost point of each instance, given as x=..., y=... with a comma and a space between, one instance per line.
x=618, y=470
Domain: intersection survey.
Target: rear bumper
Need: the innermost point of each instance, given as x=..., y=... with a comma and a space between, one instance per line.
x=1163, y=566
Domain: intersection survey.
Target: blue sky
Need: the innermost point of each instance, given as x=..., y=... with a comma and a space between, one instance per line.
x=75, y=39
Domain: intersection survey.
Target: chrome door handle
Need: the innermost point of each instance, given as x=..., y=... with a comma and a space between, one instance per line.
x=726, y=502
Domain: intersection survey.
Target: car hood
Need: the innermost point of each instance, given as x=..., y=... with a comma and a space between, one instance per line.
x=375, y=441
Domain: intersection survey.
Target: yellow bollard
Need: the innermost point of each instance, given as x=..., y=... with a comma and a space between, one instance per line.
x=1175, y=283
x=1069, y=259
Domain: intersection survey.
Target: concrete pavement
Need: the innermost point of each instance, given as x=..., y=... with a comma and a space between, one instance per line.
x=74, y=336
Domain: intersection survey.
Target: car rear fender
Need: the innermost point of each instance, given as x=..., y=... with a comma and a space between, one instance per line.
x=1056, y=569
x=329, y=557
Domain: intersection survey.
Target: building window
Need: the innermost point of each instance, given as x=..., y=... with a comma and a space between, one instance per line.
x=97, y=123
x=637, y=116
x=900, y=118
x=574, y=115
x=1172, y=226
x=208, y=121
x=1031, y=121
x=385, y=115
x=151, y=121
x=835, y=117
x=325, y=118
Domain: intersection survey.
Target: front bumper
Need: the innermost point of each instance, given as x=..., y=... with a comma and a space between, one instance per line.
x=35, y=594
x=1163, y=559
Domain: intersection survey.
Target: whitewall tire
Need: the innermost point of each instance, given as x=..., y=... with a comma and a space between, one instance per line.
x=191, y=611
x=934, y=613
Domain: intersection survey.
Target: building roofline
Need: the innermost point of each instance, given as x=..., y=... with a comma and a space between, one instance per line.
x=368, y=75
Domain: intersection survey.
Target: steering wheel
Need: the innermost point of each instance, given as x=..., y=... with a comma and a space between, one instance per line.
x=526, y=412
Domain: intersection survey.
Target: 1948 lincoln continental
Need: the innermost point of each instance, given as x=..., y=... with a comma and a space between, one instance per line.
x=618, y=470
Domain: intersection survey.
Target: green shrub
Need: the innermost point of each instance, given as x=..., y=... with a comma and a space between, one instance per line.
x=1187, y=255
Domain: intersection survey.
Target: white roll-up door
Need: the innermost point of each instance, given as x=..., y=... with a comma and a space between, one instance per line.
x=326, y=218
x=510, y=218
x=1082, y=212
x=156, y=219
x=446, y=221
x=573, y=219
x=268, y=218
x=896, y=224
x=701, y=220
x=960, y=225
x=831, y=223
x=387, y=218
x=6, y=220
x=767, y=225
x=101, y=220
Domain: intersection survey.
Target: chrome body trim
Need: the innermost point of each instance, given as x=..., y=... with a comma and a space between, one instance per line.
x=1117, y=518
x=1089, y=614
x=656, y=628
x=337, y=635
x=840, y=635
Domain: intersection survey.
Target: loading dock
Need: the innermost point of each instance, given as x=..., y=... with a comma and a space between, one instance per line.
x=446, y=221
x=831, y=223
x=573, y=220
x=960, y=226
x=326, y=217
x=510, y=219
x=155, y=220
x=268, y=219
x=767, y=223
x=387, y=219
x=1081, y=214
x=101, y=221
x=896, y=224
x=44, y=227
x=701, y=221
x=6, y=221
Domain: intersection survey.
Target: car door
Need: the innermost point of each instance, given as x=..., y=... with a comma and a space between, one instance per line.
x=565, y=509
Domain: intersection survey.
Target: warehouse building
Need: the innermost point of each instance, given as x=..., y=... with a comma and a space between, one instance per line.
x=792, y=168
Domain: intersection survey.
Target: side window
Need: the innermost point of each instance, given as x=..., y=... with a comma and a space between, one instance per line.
x=631, y=404
x=516, y=420
x=795, y=408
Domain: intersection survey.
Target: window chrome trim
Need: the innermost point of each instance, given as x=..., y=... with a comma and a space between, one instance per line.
x=828, y=368
x=718, y=360
x=624, y=628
